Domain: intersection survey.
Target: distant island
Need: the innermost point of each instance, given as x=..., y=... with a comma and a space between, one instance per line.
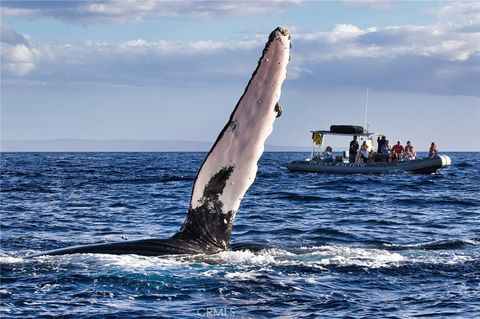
x=92, y=145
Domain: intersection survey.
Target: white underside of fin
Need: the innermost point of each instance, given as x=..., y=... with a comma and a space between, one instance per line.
x=241, y=143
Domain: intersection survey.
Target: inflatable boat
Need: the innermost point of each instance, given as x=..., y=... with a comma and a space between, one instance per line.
x=376, y=163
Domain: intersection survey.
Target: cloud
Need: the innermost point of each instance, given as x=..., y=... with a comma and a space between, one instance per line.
x=439, y=59
x=459, y=12
x=436, y=59
x=131, y=63
x=343, y=41
x=369, y=4
x=137, y=10
x=18, y=57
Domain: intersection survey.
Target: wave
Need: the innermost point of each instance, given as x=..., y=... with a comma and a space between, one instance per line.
x=119, y=205
x=268, y=174
x=416, y=201
x=28, y=188
x=435, y=245
x=140, y=180
x=178, y=178
x=299, y=197
x=28, y=174
x=464, y=165
x=309, y=198
x=325, y=235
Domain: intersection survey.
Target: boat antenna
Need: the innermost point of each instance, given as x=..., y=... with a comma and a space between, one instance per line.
x=366, y=109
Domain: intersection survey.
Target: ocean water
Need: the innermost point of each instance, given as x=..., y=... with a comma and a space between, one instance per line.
x=346, y=246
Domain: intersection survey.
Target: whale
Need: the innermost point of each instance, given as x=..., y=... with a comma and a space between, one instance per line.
x=227, y=171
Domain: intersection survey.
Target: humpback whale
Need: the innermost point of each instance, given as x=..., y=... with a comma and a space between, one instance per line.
x=227, y=171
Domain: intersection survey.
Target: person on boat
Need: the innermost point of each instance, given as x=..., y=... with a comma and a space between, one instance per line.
x=433, y=151
x=353, y=150
x=381, y=140
x=364, y=152
x=397, y=151
x=371, y=156
x=409, y=151
x=385, y=147
x=327, y=154
x=386, y=152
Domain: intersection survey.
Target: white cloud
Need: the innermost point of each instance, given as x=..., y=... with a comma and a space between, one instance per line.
x=463, y=12
x=371, y=4
x=344, y=41
x=338, y=33
x=438, y=59
x=18, y=57
x=133, y=63
x=137, y=10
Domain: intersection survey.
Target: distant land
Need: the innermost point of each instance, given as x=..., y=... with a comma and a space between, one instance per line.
x=92, y=145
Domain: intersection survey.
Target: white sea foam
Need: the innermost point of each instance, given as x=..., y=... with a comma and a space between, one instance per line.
x=244, y=257
x=135, y=263
x=10, y=260
x=318, y=257
x=239, y=275
x=315, y=257
x=348, y=256
x=440, y=258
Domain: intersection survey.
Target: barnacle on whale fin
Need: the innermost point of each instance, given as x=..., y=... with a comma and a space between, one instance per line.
x=283, y=31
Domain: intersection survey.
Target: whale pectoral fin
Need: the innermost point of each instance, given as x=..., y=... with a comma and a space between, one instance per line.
x=228, y=170
x=231, y=165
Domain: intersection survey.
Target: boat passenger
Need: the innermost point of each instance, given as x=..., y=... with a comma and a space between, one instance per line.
x=397, y=151
x=353, y=150
x=381, y=140
x=385, y=147
x=409, y=151
x=371, y=156
x=327, y=154
x=386, y=152
x=433, y=150
x=364, y=152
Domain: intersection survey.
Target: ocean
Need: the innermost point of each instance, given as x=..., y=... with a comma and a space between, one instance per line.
x=345, y=246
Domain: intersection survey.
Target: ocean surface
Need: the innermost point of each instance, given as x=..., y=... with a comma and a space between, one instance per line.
x=347, y=246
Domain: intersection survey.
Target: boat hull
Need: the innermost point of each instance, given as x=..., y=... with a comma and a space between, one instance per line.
x=418, y=166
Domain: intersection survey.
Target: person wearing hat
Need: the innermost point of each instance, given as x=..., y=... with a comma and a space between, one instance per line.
x=397, y=151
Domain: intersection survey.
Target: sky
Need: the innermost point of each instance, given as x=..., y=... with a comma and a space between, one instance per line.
x=174, y=70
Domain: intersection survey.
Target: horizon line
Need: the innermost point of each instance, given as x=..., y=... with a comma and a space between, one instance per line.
x=162, y=146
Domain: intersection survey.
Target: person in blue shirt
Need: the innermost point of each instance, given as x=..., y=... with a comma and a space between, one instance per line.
x=327, y=154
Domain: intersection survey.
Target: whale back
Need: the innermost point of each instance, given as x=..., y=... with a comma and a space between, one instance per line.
x=231, y=165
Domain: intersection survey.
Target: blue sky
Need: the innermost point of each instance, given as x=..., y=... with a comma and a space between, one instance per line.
x=175, y=70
